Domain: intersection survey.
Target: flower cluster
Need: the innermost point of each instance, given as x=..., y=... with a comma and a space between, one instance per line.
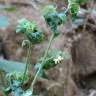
x=30, y=30
x=54, y=18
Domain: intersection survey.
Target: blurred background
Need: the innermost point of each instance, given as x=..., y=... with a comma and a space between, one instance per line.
x=76, y=76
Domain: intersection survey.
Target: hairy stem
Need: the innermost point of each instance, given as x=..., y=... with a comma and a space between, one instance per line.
x=43, y=61
x=27, y=61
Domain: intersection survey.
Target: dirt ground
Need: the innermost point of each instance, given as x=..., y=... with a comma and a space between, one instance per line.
x=76, y=76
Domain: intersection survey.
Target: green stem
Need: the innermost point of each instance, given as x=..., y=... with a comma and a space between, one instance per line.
x=68, y=7
x=27, y=61
x=42, y=63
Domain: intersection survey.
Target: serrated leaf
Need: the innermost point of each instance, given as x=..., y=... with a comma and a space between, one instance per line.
x=52, y=20
x=23, y=25
x=35, y=37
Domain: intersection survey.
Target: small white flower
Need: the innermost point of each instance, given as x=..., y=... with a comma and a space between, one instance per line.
x=58, y=59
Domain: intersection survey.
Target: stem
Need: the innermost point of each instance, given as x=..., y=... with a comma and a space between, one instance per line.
x=43, y=61
x=68, y=7
x=27, y=60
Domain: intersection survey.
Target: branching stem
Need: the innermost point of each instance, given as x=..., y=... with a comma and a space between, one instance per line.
x=43, y=61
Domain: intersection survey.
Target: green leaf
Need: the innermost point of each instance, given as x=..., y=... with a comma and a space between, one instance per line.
x=16, y=87
x=4, y=22
x=52, y=20
x=16, y=76
x=19, y=29
x=7, y=91
x=55, y=19
x=62, y=17
x=71, y=1
x=30, y=30
x=33, y=25
x=49, y=64
x=27, y=93
x=35, y=37
x=56, y=33
x=22, y=26
x=49, y=9
x=74, y=9
x=50, y=60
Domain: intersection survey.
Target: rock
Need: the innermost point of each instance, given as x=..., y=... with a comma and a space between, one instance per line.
x=84, y=54
x=92, y=93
